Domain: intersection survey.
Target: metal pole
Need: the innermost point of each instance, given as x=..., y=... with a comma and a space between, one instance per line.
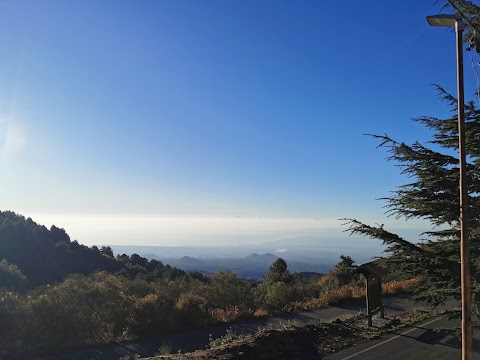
x=464, y=246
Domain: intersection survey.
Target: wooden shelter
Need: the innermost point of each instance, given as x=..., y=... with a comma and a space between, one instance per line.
x=373, y=273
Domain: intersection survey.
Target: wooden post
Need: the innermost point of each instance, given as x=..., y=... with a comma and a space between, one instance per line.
x=369, y=311
x=382, y=309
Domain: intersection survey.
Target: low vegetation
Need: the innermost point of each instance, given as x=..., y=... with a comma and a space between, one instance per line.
x=133, y=298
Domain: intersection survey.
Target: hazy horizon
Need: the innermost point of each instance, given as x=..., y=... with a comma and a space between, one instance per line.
x=161, y=230
x=212, y=122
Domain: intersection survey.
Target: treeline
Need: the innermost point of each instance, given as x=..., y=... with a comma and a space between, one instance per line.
x=47, y=256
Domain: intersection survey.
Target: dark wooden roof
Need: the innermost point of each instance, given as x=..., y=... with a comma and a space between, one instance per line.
x=370, y=268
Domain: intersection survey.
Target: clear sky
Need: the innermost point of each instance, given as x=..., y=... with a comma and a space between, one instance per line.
x=173, y=122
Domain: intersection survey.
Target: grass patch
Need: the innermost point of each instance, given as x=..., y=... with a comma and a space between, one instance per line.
x=165, y=349
x=230, y=337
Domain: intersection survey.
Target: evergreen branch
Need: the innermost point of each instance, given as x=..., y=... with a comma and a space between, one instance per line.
x=355, y=227
x=446, y=96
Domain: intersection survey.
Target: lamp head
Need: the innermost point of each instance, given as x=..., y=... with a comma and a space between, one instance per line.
x=444, y=19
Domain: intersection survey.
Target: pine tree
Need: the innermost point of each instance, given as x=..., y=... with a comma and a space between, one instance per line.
x=433, y=194
x=278, y=272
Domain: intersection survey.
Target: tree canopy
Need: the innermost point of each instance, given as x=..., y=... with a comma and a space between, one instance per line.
x=48, y=255
x=433, y=195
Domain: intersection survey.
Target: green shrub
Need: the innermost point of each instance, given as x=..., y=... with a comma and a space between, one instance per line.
x=11, y=277
x=226, y=291
x=81, y=310
x=278, y=296
x=13, y=326
x=191, y=308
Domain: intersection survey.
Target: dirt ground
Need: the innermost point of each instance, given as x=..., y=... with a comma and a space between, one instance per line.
x=314, y=341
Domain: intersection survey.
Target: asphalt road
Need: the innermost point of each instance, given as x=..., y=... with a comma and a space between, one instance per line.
x=198, y=338
x=416, y=342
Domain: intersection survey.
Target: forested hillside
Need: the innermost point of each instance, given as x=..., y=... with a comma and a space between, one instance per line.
x=48, y=255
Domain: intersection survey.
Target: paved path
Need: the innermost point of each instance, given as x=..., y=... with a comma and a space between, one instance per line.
x=198, y=338
x=415, y=342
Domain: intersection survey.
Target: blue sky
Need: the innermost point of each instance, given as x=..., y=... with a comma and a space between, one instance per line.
x=202, y=117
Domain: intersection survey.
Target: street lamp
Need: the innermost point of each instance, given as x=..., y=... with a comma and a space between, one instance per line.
x=456, y=20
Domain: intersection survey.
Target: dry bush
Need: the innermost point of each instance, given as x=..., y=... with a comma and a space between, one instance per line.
x=191, y=309
x=226, y=315
x=314, y=303
x=323, y=280
x=349, y=292
x=332, y=297
x=145, y=301
x=395, y=287
x=189, y=300
x=345, y=293
x=260, y=313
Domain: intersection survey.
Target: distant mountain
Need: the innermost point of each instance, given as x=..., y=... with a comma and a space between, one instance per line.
x=190, y=261
x=253, y=266
x=151, y=256
x=265, y=258
x=305, y=253
x=314, y=250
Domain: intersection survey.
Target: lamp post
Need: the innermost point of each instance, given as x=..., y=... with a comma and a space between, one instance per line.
x=456, y=20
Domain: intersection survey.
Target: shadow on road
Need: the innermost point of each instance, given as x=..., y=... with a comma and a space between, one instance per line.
x=455, y=342
x=435, y=337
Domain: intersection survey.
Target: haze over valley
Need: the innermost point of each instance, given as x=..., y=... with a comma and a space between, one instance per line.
x=303, y=254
